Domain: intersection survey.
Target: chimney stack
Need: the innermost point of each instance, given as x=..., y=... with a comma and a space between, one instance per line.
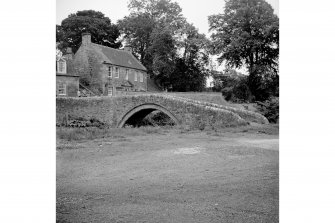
x=128, y=48
x=86, y=39
x=68, y=54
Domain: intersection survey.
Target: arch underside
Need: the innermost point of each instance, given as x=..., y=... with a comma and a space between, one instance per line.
x=138, y=113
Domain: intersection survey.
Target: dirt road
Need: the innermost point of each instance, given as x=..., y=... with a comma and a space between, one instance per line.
x=170, y=176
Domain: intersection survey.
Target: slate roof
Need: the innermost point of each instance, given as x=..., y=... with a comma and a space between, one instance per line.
x=118, y=57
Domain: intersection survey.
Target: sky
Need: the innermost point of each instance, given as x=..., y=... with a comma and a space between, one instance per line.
x=196, y=12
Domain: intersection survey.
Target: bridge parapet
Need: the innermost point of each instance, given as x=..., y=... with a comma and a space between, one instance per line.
x=249, y=116
x=115, y=111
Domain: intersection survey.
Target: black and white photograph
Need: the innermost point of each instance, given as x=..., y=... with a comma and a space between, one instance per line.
x=121, y=111
x=167, y=111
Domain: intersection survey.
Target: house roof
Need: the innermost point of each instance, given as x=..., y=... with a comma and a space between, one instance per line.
x=118, y=57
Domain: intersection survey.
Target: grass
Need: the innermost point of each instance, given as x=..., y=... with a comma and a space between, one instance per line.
x=91, y=133
x=67, y=138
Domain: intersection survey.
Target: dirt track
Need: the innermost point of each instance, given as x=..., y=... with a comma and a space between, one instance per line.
x=170, y=177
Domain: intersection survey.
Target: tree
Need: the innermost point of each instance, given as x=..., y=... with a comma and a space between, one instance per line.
x=171, y=49
x=102, y=30
x=190, y=70
x=162, y=50
x=137, y=29
x=147, y=19
x=164, y=12
x=247, y=33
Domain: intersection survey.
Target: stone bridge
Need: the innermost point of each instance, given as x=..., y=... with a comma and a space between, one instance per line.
x=120, y=110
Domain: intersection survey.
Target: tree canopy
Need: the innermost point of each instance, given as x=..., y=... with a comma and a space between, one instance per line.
x=247, y=34
x=168, y=46
x=102, y=30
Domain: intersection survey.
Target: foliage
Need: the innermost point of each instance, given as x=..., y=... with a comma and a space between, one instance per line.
x=170, y=48
x=163, y=54
x=164, y=13
x=247, y=33
x=270, y=109
x=264, y=83
x=190, y=71
x=238, y=92
x=102, y=30
x=227, y=79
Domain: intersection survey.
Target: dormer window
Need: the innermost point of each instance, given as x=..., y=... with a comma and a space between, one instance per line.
x=61, y=66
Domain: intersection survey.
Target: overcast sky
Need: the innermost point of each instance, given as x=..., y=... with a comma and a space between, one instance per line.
x=196, y=12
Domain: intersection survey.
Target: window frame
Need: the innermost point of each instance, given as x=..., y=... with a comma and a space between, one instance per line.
x=117, y=74
x=141, y=77
x=135, y=76
x=63, y=88
x=110, y=74
x=110, y=91
x=58, y=66
x=127, y=74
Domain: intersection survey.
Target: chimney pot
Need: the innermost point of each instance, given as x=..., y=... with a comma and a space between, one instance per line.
x=128, y=48
x=68, y=50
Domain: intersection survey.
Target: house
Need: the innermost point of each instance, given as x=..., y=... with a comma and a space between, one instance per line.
x=67, y=81
x=108, y=71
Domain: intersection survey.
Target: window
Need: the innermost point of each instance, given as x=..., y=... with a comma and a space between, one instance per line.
x=110, y=91
x=61, y=89
x=117, y=72
x=135, y=78
x=141, y=77
x=127, y=73
x=61, y=67
x=109, y=71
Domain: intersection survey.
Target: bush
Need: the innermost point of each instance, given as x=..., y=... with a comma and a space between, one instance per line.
x=79, y=122
x=270, y=109
x=240, y=92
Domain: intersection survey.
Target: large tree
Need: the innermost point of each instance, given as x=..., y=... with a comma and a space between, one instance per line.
x=190, y=70
x=102, y=30
x=247, y=34
x=171, y=49
x=147, y=19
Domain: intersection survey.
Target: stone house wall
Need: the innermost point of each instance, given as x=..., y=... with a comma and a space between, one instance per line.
x=72, y=85
x=89, y=64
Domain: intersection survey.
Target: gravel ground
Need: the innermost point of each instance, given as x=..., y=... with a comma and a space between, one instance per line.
x=170, y=176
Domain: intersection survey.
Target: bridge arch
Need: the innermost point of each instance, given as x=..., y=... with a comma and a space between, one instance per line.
x=141, y=111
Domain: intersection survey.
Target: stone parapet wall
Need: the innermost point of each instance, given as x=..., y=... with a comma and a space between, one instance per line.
x=111, y=110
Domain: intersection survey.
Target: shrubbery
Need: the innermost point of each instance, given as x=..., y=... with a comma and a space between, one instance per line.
x=239, y=92
x=79, y=122
x=270, y=109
